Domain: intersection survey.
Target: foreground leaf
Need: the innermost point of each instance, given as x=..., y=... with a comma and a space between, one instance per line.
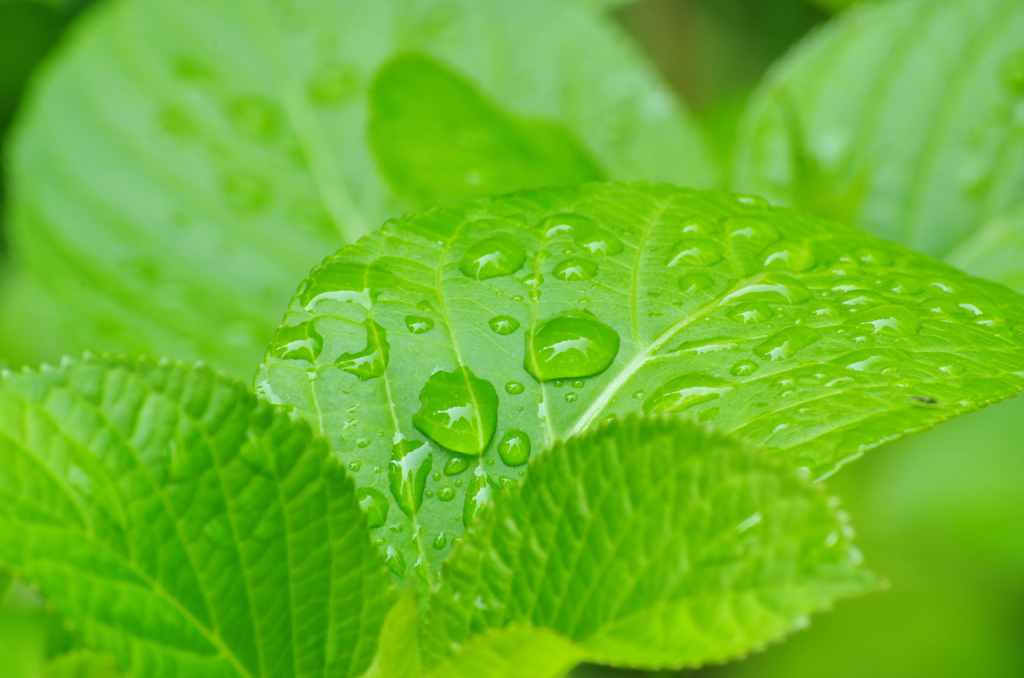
x=183, y=527
x=183, y=162
x=496, y=328
x=902, y=118
x=651, y=543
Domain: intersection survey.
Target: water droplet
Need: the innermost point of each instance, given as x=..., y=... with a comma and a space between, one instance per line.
x=446, y=493
x=751, y=230
x=887, y=320
x=903, y=285
x=458, y=411
x=575, y=268
x=776, y=288
x=514, y=448
x=507, y=483
x=478, y=495
x=699, y=226
x=752, y=200
x=343, y=282
x=786, y=256
x=298, y=342
x=786, y=343
x=514, y=387
x=440, y=541
x=750, y=313
x=372, y=360
x=571, y=397
x=579, y=383
x=354, y=466
x=492, y=258
x=599, y=242
x=686, y=391
x=855, y=300
x=374, y=504
x=418, y=325
x=823, y=310
x=637, y=395
x=695, y=282
x=568, y=224
x=254, y=117
x=456, y=465
x=503, y=324
x=881, y=360
x=706, y=346
x=694, y=252
x=410, y=465
x=743, y=368
x=570, y=345
x=362, y=443
x=990, y=321
x=395, y=561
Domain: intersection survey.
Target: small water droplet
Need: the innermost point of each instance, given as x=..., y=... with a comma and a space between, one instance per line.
x=514, y=448
x=695, y=282
x=440, y=541
x=752, y=231
x=578, y=383
x=298, y=342
x=362, y=443
x=418, y=324
x=410, y=465
x=446, y=493
x=374, y=504
x=699, y=226
x=503, y=324
x=786, y=343
x=750, y=313
x=743, y=368
x=570, y=345
x=893, y=321
x=823, y=310
x=507, y=483
x=372, y=360
x=354, y=466
x=514, y=388
x=776, y=288
x=751, y=200
x=571, y=397
x=575, y=269
x=787, y=256
x=492, y=258
x=694, y=252
x=857, y=299
x=395, y=561
x=684, y=392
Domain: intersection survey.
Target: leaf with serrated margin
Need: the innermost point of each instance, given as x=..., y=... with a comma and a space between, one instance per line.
x=649, y=543
x=902, y=118
x=814, y=341
x=181, y=163
x=183, y=526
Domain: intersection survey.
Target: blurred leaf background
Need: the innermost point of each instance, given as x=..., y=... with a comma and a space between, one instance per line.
x=940, y=515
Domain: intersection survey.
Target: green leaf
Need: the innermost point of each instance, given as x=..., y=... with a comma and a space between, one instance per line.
x=651, y=543
x=6, y=579
x=182, y=526
x=79, y=664
x=814, y=341
x=513, y=651
x=398, y=647
x=901, y=118
x=182, y=162
x=996, y=250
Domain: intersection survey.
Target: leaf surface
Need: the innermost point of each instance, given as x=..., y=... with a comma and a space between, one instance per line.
x=182, y=162
x=651, y=543
x=902, y=118
x=514, y=322
x=182, y=526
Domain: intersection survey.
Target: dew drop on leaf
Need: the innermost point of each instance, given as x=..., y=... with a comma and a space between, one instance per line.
x=374, y=504
x=514, y=388
x=456, y=465
x=395, y=561
x=855, y=300
x=514, y=448
x=492, y=258
x=446, y=493
x=777, y=288
x=751, y=200
x=571, y=345
x=599, y=242
x=743, y=368
x=685, y=391
x=298, y=342
x=695, y=282
x=571, y=397
x=372, y=360
x=752, y=231
x=478, y=495
x=786, y=343
x=574, y=226
x=418, y=324
x=894, y=321
x=458, y=411
x=750, y=312
x=575, y=269
x=578, y=383
x=408, y=471
x=699, y=226
x=694, y=252
x=503, y=324
x=786, y=256
x=440, y=541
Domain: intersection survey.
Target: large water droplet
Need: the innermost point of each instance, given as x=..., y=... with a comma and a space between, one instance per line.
x=750, y=312
x=893, y=321
x=855, y=300
x=372, y=360
x=478, y=495
x=574, y=226
x=694, y=252
x=699, y=226
x=686, y=391
x=503, y=324
x=374, y=504
x=458, y=410
x=880, y=360
x=575, y=268
x=569, y=346
x=744, y=368
x=786, y=343
x=776, y=288
x=408, y=470
x=750, y=200
x=697, y=281
x=492, y=258
x=298, y=342
x=787, y=256
x=344, y=282
x=599, y=242
x=514, y=448
x=751, y=230
x=418, y=324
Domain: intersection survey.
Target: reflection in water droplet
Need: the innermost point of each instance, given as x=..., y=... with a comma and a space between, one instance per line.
x=410, y=465
x=492, y=258
x=752, y=200
x=418, y=325
x=893, y=321
x=298, y=342
x=372, y=360
x=514, y=448
x=571, y=345
x=446, y=493
x=787, y=343
x=879, y=360
x=395, y=561
x=706, y=346
x=823, y=310
x=600, y=242
x=786, y=256
x=374, y=504
x=567, y=224
x=571, y=397
x=855, y=300
x=695, y=282
x=743, y=368
x=699, y=226
x=694, y=252
x=750, y=313
x=514, y=388
x=440, y=541
x=686, y=391
x=478, y=495
x=458, y=411
x=903, y=285
x=776, y=288
x=752, y=231
x=575, y=268
x=503, y=324
x=578, y=383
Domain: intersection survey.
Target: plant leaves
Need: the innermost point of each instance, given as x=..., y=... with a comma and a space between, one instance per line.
x=650, y=543
x=812, y=340
x=79, y=664
x=398, y=647
x=513, y=651
x=184, y=527
x=902, y=118
x=183, y=162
